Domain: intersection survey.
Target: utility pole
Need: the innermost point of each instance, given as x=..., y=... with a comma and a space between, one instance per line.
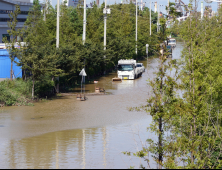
x=141, y=5
x=150, y=17
x=84, y=24
x=202, y=11
x=136, y=27
x=168, y=11
x=84, y=33
x=105, y=12
x=158, y=13
x=105, y=16
x=57, y=36
x=57, y=25
x=157, y=19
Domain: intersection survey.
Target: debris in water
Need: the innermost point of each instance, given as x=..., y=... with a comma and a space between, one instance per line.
x=81, y=97
x=117, y=79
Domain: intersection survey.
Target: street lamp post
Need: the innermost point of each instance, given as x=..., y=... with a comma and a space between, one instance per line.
x=136, y=27
x=150, y=18
x=105, y=12
x=57, y=35
x=158, y=21
x=168, y=11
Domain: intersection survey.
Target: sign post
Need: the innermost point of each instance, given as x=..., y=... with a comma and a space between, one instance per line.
x=82, y=73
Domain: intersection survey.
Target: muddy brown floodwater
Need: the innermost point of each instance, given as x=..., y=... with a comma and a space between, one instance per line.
x=65, y=133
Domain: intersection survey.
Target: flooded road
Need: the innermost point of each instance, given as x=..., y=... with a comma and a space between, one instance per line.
x=65, y=133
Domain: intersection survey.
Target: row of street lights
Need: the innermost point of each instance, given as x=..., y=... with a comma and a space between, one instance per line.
x=159, y=5
x=105, y=17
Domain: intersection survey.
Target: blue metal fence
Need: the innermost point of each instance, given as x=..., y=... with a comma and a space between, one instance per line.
x=5, y=65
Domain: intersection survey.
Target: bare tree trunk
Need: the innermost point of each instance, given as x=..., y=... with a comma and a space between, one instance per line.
x=11, y=71
x=160, y=144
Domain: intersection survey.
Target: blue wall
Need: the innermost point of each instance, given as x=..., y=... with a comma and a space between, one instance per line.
x=5, y=65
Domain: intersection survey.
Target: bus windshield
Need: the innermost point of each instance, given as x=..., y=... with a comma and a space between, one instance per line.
x=172, y=41
x=126, y=67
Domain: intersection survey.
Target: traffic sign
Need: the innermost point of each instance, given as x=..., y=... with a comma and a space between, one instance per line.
x=82, y=73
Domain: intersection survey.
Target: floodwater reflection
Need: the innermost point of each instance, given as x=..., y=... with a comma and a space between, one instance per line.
x=81, y=148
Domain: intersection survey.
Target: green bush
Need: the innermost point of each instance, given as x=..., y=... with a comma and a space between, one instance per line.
x=46, y=84
x=16, y=92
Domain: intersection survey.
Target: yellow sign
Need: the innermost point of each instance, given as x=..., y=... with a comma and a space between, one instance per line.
x=124, y=77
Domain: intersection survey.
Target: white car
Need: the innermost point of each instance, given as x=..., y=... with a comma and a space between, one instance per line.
x=141, y=67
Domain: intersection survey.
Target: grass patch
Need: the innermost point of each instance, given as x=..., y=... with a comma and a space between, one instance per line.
x=16, y=92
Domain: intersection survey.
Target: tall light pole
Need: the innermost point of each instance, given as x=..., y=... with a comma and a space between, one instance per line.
x=168, y=11
x=158, y=22
x=57, y=25
x=57, y=36
x=150, y=18
x=84, y=24
x=141, y=5
x=136, y=27
x=105, y=17
x=84, y=32
x=202, y=10
x=158, y=17
x=105, y=12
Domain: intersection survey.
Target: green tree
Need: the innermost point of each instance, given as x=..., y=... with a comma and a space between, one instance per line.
x=38, y=55
x=196, y=138
x=14, y=34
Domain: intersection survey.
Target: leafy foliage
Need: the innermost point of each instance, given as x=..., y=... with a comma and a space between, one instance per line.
x=15, y=92
x=189, y=106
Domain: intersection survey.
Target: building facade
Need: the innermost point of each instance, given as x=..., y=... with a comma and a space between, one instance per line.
x=5, y=66
x=73, y=3
x=7, y=6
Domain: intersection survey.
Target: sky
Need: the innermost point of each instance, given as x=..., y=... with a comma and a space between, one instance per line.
x=161, y=2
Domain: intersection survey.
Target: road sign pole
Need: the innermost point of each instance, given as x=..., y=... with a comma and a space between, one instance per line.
x=82, y=73
x=81, y=84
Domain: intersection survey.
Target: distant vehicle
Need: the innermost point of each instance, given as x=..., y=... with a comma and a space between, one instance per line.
x=172, y=42
x=169, y=50
x=142, y=68
x=127, y=69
